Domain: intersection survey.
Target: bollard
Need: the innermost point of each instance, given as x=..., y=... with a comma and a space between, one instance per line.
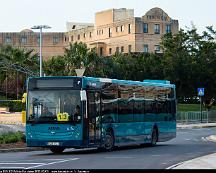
x=23, y=116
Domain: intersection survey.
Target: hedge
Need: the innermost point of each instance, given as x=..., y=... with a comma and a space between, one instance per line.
x=12, y=137
x=13, y=105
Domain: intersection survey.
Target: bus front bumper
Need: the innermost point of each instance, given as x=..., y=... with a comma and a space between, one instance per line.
x=60, y=143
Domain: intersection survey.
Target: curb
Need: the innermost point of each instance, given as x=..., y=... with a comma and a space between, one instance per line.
x=195, y=126
x=21, y=150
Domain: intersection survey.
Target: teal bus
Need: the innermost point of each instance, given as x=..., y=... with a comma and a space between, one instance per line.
x=81, y=112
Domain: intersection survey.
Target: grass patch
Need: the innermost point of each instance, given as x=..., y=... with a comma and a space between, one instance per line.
x=12, y=137
x=191, y=107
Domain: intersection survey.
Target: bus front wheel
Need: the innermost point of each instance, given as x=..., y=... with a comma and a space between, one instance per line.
x=57, y=150
x=109, y=141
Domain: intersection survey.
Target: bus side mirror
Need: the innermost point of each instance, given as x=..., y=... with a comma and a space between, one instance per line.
x=83, y=95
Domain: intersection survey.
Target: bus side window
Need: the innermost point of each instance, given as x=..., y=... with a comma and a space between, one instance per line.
x=150, y=106
x=173, y=107
x=168, y=107
x=109, y=94
x=109, y=110
x=138, y=111
x=160, y=107
x=125, y=111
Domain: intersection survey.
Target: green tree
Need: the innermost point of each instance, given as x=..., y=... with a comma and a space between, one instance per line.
x=74, y=55
x=55, y=66
x=94, y=64
x=207, y=64
x=177, y=62
x=16, y=65
x=189, y=61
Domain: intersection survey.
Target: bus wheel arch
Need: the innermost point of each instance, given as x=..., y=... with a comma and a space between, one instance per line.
x=110, y=130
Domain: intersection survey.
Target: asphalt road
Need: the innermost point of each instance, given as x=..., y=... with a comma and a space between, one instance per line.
x=187, y=145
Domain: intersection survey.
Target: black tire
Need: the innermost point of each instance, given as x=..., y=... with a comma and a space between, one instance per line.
x=108, y=141
x=154, y=137
x=57, y=150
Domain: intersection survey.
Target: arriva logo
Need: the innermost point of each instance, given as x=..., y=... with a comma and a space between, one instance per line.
x=92, y=84
x=53, y=128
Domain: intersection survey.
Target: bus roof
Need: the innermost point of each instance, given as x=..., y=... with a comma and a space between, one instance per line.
x=53, y=77
x=147, y=82
x=161, y=83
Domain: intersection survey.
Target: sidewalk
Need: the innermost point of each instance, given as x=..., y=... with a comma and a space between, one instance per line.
x=205, y=162
x=199, y=125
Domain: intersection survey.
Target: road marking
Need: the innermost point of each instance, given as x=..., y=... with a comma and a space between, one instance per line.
x=12, y=167
x=187, y=139
x=184, y=132
x=155, y=155
x=14, y=161
x=173, y=166
x=45, y=164
x=119, y=157
x=21, y=163
x=53, y=159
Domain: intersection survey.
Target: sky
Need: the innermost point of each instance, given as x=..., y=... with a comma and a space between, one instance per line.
x=16, y=15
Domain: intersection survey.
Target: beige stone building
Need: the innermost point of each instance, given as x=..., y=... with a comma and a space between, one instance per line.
x=53, y=43
x=114, y=30
x=117, y=30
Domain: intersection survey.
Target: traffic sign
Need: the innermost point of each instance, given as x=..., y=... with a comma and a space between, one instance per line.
x=200, y=91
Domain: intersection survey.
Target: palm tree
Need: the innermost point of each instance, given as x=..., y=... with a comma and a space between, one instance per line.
x=55, y=66
x=78, y=54
x=15, y=66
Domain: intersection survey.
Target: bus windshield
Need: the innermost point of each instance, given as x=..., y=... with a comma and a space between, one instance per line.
x=54, y=106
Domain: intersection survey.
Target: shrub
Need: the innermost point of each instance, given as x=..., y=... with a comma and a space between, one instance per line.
x=12, y=137
x=1, y=140
x=20, y=136
x=14, y=106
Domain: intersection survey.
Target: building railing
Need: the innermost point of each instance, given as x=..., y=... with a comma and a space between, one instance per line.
x=196, y=117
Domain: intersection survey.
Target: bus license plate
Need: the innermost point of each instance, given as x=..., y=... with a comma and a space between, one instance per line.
x=53, y=143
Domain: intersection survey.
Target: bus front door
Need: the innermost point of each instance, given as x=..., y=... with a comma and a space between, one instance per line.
x=94, y=117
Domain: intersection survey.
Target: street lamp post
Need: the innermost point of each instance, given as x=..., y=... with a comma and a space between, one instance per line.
x=41, y=27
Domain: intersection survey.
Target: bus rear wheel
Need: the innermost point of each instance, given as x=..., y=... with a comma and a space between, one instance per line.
x=57, y=150
x=154, y=137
